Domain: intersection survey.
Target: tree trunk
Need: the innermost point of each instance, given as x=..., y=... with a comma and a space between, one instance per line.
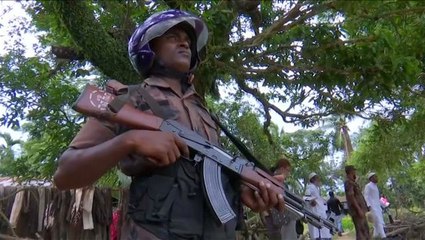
x=103, y=51
x=347, y=142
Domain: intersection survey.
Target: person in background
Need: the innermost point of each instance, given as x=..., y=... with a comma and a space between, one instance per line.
x=371, y=194
x=281, y=225
x=385, y=205
x=384, y=201
x=317, y=205
x=357, y=206
x=335, y=209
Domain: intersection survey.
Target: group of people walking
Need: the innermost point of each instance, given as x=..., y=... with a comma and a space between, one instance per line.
x=362, y=206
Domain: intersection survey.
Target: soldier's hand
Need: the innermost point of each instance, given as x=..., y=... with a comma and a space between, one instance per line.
x=264, y=199
x=161, y=148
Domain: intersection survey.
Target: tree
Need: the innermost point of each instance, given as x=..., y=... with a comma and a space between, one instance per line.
x=396, y=152
x=7, y=153
x=341, y=139
x=340, y=56
x=306, y=149
x=301, y=59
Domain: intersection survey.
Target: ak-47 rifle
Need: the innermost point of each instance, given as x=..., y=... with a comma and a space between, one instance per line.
x=103, y=105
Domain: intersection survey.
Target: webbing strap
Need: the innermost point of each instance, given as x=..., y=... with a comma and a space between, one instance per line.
x=152, y=103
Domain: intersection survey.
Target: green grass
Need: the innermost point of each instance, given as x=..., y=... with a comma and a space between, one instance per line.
x=347, y=224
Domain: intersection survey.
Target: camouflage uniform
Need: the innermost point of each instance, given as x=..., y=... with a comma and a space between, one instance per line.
x=150, y=188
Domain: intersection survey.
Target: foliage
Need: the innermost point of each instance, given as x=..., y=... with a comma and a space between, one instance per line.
x=347, y=224
x=7, y=152
x=243, y=122
x=303, y=60
x=306, y=149
x=319, y=58
x=396, y=152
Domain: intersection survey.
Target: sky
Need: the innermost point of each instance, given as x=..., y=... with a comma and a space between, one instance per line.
x=30, y=39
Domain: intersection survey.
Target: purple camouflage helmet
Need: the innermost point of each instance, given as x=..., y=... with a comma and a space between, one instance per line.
x=139, y=50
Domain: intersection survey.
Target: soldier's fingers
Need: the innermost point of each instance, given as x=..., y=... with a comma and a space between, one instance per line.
x=163, y=159
x=176, y=152
x=273, y=199
x=264, y=192
x=183, y=148
x=281, y=204
x=171, y=157
x=261, y=205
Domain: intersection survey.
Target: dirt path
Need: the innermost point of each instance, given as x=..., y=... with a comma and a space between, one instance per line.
x=346, y=236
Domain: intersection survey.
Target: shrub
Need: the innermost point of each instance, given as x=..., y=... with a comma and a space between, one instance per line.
x=347, y=224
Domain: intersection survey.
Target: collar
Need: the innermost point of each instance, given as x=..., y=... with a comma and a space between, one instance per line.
x=160, y=82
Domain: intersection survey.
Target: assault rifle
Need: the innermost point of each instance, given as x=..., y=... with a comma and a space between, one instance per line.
x=103, y=105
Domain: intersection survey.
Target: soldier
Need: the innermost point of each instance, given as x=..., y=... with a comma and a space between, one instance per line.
x=166, y=195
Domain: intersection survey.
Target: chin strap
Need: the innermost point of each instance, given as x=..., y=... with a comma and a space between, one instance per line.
x=159, y=69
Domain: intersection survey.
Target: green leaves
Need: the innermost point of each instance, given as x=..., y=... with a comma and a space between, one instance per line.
x=306, y=149
x=317, y=58
x=395, y=151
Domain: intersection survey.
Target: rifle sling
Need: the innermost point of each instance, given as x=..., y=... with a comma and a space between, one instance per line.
x=241, y=147
x=152, y=103
x=158, y=111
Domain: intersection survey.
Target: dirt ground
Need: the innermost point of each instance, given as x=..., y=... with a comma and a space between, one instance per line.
x=346, y=236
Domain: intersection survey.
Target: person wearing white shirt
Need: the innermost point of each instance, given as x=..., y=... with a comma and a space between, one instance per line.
x=371, y=194
x=317, y=205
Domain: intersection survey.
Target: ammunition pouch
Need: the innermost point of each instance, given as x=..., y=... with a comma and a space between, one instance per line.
x=169, y=203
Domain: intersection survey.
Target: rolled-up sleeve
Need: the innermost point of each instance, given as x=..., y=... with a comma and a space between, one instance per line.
x=93, y=133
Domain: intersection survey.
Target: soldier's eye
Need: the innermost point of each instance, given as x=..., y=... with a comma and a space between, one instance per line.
x=171, y=37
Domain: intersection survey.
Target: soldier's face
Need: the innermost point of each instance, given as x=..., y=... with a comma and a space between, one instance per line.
x=173, y=49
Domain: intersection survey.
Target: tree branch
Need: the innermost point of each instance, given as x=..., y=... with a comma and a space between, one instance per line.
x=400, y=12
x=275, y=67
x=67, y=53
x=267, y=105
x=292, y=18
x=105, y=52
x=263, y=101
x=340, y=43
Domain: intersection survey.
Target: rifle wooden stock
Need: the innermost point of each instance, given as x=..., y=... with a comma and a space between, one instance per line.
x=100, y=104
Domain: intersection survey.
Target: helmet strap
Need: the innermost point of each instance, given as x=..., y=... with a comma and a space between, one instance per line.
x=159, y=69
